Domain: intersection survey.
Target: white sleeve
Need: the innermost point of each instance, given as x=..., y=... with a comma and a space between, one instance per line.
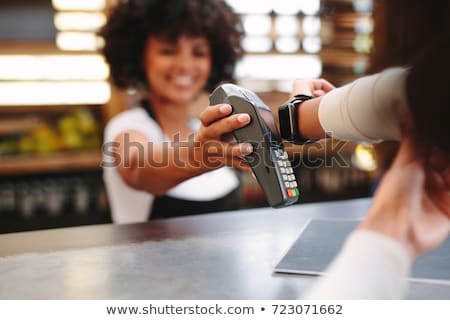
x=369, y=266
x=364, y=109
x=133, y=119
x=127, y=204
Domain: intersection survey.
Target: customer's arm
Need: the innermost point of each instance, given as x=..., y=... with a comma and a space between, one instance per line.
x=410, y=215
x=360, y=111
x=369, y=266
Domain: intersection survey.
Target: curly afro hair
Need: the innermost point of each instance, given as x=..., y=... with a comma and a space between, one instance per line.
x=131, y=22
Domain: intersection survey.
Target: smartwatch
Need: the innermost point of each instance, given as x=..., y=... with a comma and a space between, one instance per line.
x=288, y=118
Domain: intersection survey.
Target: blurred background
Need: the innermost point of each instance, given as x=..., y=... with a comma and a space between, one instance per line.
x=56, y=97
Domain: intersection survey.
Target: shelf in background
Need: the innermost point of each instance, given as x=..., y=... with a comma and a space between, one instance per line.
x=50, y=163
x=30, y=47
x=44, y=108
x=15, y=124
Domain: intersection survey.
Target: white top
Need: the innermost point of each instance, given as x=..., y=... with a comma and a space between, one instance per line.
x=364, y=109
x=129, y=205
x=369, y=266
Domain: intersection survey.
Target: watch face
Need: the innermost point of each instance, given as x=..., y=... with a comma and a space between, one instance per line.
x=285, y=118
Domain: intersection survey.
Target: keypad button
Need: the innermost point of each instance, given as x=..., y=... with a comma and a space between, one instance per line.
x=292, y=192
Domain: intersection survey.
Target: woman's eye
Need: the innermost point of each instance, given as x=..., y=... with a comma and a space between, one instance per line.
x=201, y=53
x=168, y=51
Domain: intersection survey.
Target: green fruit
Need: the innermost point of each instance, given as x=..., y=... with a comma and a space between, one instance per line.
x=72, y=140
x=86, y=121
x=46, y=140
x=67, y=124
x=8, y=147
x=26, y=144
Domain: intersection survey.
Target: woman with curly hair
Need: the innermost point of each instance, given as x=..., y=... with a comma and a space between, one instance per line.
x=158, y=161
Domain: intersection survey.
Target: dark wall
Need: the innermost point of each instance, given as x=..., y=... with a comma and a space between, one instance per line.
x=26, y=20
x=404, y=28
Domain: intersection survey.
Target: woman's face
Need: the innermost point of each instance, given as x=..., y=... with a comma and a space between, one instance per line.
x=177, y=71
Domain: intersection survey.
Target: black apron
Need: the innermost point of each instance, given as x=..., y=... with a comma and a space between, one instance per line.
x=169, y=207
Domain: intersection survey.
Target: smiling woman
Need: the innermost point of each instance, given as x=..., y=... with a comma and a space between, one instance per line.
x=177, y=71
x=172, y=51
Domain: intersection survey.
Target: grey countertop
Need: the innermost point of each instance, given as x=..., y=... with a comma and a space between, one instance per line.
x=229, y=255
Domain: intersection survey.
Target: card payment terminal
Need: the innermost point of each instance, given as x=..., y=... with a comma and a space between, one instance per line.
x=269, y=161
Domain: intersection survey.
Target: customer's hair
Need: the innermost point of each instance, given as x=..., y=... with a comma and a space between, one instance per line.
x=131, y=22
x=428, y=95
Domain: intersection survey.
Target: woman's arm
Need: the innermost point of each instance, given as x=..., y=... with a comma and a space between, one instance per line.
x=157, y=167
x=410, y=215
x=369, y=266
x=412, y=203
x=360, y=111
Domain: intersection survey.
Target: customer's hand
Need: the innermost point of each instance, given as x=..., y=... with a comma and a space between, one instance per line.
x=412, y=203
x=311, y=87
x=308, y=115
x=215, y=146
